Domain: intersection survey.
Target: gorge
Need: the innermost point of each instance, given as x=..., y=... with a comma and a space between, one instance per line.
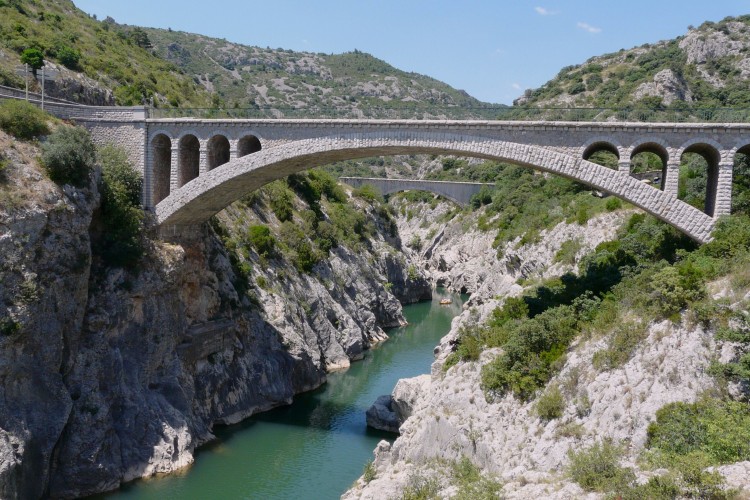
x=601, y=352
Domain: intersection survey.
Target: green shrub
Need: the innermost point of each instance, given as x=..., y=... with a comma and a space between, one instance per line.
x=683, y=428
x=9, y=327
x=69, y=57
x=281, y=201
x=420, y=487
x=532, y=349
x=261, y=239
x=326, y=237
x=33, y=57
x=620, y=347
x=368, y=192
x=121, y=240
x=23, y=120
x=613, y=204
x=551, y=404
x=568, y=251
x=598, y=468
x=671, y=291
x=301, y=253
x=471, y=483
x=4, y=164
x=68, y=155
x=369, y=472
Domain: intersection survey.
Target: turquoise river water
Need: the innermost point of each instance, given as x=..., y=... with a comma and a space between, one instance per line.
x=318, y=446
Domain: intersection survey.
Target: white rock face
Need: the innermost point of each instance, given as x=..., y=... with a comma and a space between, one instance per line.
x=451, y=417
x=505, y=437
x=666, y=85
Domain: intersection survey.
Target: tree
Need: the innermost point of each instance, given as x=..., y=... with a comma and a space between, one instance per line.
x=69, y=57
x=34, y=58
x=68, y=155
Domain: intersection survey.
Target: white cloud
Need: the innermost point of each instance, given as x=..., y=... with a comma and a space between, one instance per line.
x=516, y=86
x=589, y=28
x=544, y=12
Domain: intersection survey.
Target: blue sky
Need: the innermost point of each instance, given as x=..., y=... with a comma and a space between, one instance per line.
x=493, y=49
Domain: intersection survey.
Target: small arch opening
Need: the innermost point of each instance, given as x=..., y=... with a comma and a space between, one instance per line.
x=161, y=152
x=218, y=151
x=604, y=154
x=247, y=145
x=648, y=163
x=741, y=181
x=699, y=176
x=189, y=160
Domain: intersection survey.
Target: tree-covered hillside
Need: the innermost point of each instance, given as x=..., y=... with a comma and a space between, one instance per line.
x=99, y=62
x=708, y=67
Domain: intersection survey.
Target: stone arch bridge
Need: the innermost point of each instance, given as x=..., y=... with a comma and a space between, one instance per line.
x=193, y=168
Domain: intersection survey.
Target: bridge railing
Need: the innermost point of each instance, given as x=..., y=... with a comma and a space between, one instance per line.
x=516, y=113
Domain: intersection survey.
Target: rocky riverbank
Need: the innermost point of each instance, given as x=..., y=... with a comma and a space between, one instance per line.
x=445, y=417
x=109, y=375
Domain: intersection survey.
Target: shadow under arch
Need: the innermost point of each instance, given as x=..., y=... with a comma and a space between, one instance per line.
x=196, y=203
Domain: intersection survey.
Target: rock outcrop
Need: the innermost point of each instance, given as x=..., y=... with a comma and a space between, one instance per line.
x=108, y=376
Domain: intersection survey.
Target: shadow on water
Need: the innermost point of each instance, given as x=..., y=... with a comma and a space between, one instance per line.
x=317, y=446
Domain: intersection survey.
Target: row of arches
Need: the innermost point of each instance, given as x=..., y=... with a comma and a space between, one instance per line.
x=173, y=167
x=691, y=174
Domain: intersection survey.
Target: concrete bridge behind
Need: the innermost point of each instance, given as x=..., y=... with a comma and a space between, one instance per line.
x=458, y=192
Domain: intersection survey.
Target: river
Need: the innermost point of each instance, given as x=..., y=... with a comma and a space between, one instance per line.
x=318, y=446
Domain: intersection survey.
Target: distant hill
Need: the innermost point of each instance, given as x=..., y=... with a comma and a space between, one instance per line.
x=299, y=83
x=103, y=62
x=708, y=67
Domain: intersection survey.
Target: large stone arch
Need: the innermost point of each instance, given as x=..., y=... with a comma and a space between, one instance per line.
x=212, y=192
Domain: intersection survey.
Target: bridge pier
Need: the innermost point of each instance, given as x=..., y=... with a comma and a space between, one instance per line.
x=202, y=157
x=624, y=166
x=722, y=189
x=670, y=180
x=174, y=182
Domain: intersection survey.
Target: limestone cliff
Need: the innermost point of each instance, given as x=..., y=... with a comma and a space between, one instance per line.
x=446, y=417
x=108, y=375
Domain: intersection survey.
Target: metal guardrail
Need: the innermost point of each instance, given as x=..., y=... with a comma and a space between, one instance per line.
x=692, y=115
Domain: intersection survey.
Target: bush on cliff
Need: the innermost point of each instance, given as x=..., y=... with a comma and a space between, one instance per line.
x=68, y=155
x=23, y=120
x=121, y=242
x=261, y=238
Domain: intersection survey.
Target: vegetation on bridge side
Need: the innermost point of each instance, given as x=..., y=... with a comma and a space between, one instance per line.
x=312, y=216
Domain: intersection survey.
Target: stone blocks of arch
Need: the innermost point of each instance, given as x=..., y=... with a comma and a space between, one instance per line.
x=209, y=194
x=174, y=160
